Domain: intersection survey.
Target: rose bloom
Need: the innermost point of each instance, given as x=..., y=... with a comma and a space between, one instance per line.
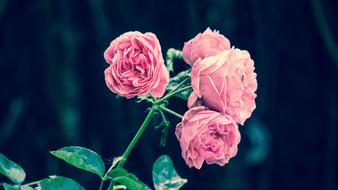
x=203, y=45
x=136, y=66
x=225, y=83
x=206, y=135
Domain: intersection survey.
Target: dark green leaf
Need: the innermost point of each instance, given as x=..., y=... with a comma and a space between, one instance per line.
x=165, y=176
x=11, y=187
x=184, y=95
x=176, y=80
x=59, y=183
x=26, y=188
x=123, y=177
x=179, y=77
x=82, y=158
x=131, y=182
x=117, y=172
x=11, y=170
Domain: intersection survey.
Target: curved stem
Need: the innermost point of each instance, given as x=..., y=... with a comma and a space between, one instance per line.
x=134, y=141
x=145, y=124
x=164, y=119
x=171, y=112
x=173, y=93
x=179, y=85
x=101, y=185
x=164, y=131
x=137, y=137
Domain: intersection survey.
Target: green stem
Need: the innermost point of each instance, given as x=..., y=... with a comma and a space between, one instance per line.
x=115, y=161
x=101, y=185
x=164, y=131
x=145, y=124
x=137, y=137
x=171, y=112
x=173, y=93
x=134, y=141
x=164, y=119
x=179, y=85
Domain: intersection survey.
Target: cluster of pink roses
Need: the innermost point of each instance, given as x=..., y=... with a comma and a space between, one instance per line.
x=223, y=82
x=224, y=85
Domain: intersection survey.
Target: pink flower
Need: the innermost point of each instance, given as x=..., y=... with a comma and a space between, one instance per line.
x=203, y=45
x=206, y=135
x=225, y=83
x=136, y=66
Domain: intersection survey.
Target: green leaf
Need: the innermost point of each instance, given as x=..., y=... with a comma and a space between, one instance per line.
x=11, y=187
x=82, y=158
x=11, y=170
x=165, y=176
x=59, y=183
x=123, y=177
x=26, y=188
x=16, y=187
x=176, y=80
x=180, y=76
x=117, y=172
x=131, y=182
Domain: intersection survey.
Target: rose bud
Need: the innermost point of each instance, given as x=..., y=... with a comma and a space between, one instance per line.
x=203, y=45
x=225, y=83
x=136, y=66
x=206, y=135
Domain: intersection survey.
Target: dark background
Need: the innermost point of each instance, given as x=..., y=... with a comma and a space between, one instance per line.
x=53, y=94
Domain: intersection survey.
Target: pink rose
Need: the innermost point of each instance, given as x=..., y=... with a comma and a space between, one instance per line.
x=225, y=83
x=203, y=45
x=136, y=66
x=206, y=135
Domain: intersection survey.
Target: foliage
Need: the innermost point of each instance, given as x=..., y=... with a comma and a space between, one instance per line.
x=81, y=158
x=164, y=174
x=11, y=170
x=58, y=183
x=182, y=79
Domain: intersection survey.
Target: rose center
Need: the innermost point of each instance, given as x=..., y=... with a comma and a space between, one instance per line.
x=212, y=140
x=134, y=68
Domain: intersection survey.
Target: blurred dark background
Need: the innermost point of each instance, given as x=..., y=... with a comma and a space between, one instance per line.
x=53, y=94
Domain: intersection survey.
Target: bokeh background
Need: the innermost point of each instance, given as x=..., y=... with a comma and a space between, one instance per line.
x=53, y=94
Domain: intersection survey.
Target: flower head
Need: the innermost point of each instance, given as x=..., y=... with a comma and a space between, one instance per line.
x=206, y=135
x=203, y=45
x=225, y=83
x=136, y=66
